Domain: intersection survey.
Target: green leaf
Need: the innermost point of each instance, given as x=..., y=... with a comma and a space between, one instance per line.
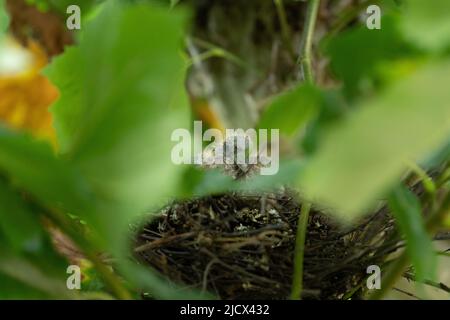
x=70, y=104
x=365, y=153
x=25, y=272
x=12, y=289
x=116, y=114
x=173, y=3
x=62, y=5
x=355, y=54
x=122, y=95
x=4, y=20
x=160, y=287
x=33, y=167
x=408, y=213
x=426, y=23
x=29, y=265
x=440, y=156
x=215, y=181
x=333, y=107
x=18, y=223
x=292, y=110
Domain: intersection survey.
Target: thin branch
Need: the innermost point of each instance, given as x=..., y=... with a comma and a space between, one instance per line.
x=444, y=254
x=437, y=285
x=112, y=281
x=409, y=294
x=305, y=62
x=427, y=181
x=305, y=52
x=297, y=283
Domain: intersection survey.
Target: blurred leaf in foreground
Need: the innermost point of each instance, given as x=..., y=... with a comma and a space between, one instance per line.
x=13, y=289
x=291, y=111
x=4, y=20
x=18, y=224
x=115, y=117
x=356, y=53
x=408, y=213
x=62, y=5
x=366, y=152
x=121, y=99
x=32, y=165
x=24, y=271
x=426, y=23
x=332, y=108
x=215, y=181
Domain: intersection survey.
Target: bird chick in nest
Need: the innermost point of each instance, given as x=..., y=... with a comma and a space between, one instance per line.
x=241, y=154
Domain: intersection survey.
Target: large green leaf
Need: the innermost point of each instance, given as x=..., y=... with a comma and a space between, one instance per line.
x=50, y=182
x=69, y=110
x=426, y=23
x=356, y=53
x=333, y=107
x=28, y=274
x=20, y=226
x=33, y=167
x=115, y=115
x=122, y=95
x=12, y=289
x=27, y=260
x=173, y=3
x=408, y=213
x=159, y=286
x=292, y=110
x=215, y=181
x=366, y=152
x=62, y=5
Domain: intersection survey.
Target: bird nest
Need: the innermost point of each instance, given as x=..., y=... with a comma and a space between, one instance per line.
x=240, y=246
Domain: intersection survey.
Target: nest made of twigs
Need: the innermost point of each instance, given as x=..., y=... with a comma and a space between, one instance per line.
x=240, y=246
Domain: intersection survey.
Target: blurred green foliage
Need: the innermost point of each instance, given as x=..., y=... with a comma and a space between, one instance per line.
x=19, y=225
x=122, y=94
x=358, y=51
x=367, y=151
x=117, y=90
x=122, y=87
x=408, y=211
x=274, y=117
x=4, y=19
x=426, y=24
x=62, y=5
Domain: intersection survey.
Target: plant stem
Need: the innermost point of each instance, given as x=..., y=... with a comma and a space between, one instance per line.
x=305, y=62
x=437, y=285
x=297, y=282
x=427, y=181
x=113, y=283
x=305, y=52
x=398, y=266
